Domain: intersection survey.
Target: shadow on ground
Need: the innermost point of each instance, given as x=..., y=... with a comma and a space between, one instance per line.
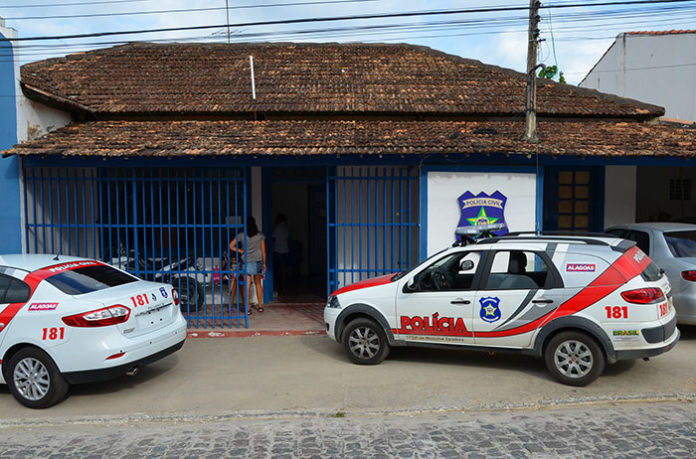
x=124, y=383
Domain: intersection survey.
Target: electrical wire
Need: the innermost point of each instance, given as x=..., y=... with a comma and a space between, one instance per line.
x=53, y=5
x=338, y=18
x=480, y=23
x=187, y=10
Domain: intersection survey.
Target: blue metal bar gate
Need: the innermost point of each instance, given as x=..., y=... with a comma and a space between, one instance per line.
x=373, y=222
x=162, y=224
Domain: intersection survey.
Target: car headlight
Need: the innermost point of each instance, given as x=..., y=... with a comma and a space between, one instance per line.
x=333, y=303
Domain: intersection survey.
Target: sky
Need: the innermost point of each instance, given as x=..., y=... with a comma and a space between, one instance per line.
x=573, y=38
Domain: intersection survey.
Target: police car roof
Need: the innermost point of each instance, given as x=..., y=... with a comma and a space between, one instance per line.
x=34, y=261
x=586, y=239
x=659, y=226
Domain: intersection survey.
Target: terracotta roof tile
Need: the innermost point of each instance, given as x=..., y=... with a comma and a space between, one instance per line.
x=144, y=78
x=662, y=32
x=228, y=137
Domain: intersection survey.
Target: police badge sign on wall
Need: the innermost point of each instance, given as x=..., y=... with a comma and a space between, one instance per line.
x=482, y=209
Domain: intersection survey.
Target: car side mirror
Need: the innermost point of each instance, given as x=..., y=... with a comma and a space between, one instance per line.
x=467, y=265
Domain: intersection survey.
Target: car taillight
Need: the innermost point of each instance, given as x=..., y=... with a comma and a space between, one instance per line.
x=99, y=318
x=175, y=296
x=689, y=275
x=644, y=295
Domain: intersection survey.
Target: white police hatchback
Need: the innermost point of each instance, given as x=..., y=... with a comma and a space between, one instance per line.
x=67, y=320
x=578, y=302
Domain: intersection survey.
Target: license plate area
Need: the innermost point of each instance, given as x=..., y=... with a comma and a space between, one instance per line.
x=154, y=317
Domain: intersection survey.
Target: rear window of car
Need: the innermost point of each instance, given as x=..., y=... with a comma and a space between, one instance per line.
x=89, y=279
x=651, y=273
x=681, y=243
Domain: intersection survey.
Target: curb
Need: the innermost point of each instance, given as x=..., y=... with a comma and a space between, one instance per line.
x=282, y=415
x=249, y=333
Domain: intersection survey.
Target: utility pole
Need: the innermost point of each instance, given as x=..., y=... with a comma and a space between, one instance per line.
x=227, y=10
x=533, y=37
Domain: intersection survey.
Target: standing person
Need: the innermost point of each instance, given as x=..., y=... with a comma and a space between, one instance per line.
x=280, y=251
x=255, y=257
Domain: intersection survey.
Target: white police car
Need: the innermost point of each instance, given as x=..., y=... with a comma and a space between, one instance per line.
x=67, y=320
x=579, y=302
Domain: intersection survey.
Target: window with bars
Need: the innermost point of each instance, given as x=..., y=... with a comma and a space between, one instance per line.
x=680, y=189
x=574, y=200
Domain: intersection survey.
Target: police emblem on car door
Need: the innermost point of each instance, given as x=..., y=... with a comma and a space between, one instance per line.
x=518, y=288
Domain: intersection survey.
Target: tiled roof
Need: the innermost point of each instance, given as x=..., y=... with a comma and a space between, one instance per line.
x=145, y=78
x=662, y=32
x=229, y=137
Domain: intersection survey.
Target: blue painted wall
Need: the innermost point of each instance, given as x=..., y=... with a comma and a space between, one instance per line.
x=10, y=206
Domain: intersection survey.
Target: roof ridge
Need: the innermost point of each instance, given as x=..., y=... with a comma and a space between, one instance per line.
x=661, y=32
x=145, y=77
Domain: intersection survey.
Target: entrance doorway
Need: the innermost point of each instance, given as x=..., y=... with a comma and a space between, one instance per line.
x=298, y=194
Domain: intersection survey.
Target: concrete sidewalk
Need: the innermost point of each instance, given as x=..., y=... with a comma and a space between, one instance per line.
x=277, y=319
x=290, y=375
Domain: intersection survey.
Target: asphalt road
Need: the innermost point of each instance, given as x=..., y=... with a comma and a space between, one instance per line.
x=310, y=375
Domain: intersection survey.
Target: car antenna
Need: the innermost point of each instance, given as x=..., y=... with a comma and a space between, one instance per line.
x=56, y=257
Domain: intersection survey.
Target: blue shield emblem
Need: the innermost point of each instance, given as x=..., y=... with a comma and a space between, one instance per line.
x=482, y=209
x=490, y=312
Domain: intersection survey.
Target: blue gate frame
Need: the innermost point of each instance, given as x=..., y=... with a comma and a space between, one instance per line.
x=373, y=222
x=171, y=224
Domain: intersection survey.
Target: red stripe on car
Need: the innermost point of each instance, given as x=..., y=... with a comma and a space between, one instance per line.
x=372, y=282
x=625, y=268
x=11, y=310
x=45, y=273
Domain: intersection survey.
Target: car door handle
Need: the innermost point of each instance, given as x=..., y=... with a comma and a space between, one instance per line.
x=542, y=301
x=460, y=301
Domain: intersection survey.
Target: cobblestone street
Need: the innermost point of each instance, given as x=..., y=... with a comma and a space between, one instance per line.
x=624, y=430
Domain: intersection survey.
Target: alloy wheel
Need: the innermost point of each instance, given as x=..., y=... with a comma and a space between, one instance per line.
x=573, y=359
x=31, y=379
x=364, y=342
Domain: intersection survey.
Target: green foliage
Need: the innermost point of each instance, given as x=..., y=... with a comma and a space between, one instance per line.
x=551, y=72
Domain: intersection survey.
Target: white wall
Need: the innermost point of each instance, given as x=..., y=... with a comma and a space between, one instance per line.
x=619, y=195
x=35, y=120
x=658, y=69
x=444, y=188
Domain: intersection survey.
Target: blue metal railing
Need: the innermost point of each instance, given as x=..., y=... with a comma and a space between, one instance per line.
x=168, y=224
x=373, y=224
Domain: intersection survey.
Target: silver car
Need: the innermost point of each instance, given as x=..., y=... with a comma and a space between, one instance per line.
x=672, y=246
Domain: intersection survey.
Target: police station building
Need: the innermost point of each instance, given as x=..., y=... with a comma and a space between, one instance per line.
x=375, y=154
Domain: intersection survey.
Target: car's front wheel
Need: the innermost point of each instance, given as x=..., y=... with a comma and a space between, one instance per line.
x=34, y=379
x=574, y=358
x=365, y=342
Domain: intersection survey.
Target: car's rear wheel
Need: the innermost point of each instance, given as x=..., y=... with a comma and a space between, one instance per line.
x=34, y=379
x=365, y=342
x=574, y=358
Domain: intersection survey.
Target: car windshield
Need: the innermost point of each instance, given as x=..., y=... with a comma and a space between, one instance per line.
x=89, y=279
x=401, y=274
x=681, y=243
